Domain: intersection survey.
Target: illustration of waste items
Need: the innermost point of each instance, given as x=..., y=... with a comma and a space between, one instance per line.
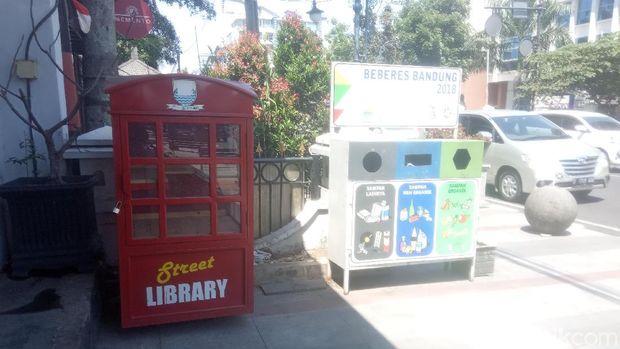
x=380, y=212
x=378, y=241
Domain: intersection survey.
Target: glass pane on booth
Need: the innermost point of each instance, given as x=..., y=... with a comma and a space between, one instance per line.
x=142, y=140
x=191, y=180
x=145, y=221
x=228, y=179
x=188, y=220
x=227, y=140
x=143, y=181
x=229, y=218
x=186, y=140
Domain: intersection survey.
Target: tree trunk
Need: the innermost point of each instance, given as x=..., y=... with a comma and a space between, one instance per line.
x=99, y=56
x=53, y=157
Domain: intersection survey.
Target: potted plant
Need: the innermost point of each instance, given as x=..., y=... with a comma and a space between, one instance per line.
x=52, y=218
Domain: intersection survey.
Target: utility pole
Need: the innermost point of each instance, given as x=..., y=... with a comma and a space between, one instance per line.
x=100, y=57
x=251, y=16
x=178, y=61
x=197, y=48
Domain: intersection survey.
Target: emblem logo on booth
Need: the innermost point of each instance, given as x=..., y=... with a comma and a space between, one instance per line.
x=185, y=92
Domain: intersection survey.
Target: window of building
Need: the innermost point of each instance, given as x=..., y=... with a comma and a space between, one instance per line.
x=583, y=12
x=564, y=19
x=510, y=49
x=605, y=9
x=581, y=40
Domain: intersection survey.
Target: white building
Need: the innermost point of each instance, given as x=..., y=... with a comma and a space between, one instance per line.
x=587, y=21
x=46, y=84
x=590, y=19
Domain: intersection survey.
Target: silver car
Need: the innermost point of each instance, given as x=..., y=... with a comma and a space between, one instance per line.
x=524, y=151
x=598, y=130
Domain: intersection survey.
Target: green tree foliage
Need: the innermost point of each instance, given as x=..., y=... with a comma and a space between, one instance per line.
x=162, y=44
x=299, y=58
x=340, y=43
x=551, y=32
x=384, y=44
x=436, y=33
x=426, y=32
x=280, y=129
x=591, y=70
x=244, y=60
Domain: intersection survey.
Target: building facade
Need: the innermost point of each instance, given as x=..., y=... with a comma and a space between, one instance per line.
x=587, y=21
x=46, y=84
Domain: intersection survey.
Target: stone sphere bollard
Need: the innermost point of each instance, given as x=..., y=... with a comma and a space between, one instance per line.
x=550, y=210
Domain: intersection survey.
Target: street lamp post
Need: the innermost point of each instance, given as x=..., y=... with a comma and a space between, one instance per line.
x=519, y=9
x=486, y=76
x=251, y=16
x=315, y=16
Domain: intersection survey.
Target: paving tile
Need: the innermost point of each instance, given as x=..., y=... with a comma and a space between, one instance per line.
x=228, y=332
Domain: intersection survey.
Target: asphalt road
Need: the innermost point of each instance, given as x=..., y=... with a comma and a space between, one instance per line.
x=601, y=208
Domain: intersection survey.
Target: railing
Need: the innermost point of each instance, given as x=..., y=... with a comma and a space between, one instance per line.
x=281, y=188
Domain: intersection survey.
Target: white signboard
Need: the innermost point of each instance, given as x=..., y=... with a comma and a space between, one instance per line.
x=375, y=95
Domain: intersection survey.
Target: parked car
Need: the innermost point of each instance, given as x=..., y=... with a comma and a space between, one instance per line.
x=524, y=151
x=598, y=130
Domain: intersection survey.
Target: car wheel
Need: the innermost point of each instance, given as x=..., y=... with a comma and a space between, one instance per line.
x=582, y=194
x=509, y=185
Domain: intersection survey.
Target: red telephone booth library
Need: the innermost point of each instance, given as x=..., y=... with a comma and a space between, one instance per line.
x=183, y=153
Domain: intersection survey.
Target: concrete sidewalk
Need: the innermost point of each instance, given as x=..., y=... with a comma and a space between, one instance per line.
x=48, y=311
x=546, y=292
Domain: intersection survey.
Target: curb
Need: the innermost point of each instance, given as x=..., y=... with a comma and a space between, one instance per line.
x=319, y=268
x=315, y=266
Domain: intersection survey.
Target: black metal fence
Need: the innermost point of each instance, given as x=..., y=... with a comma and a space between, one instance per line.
x=281, y=188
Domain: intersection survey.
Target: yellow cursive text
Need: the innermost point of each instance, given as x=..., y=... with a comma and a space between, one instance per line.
x=170, y=269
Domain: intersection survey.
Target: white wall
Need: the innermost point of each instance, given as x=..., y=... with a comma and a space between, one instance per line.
x=47, y=89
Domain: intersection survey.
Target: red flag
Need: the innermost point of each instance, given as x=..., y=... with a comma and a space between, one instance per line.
x=83, y=16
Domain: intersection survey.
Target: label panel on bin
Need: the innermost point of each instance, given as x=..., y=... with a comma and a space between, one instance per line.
x=415, y=227
x=374, y=221
x=455, y=217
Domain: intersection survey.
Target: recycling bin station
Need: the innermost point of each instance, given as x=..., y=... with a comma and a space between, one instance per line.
x=394, y=200
x=385, y=210
x=183, y=153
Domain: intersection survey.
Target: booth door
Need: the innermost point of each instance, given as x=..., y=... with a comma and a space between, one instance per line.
x=185, y=249
x=183, y=179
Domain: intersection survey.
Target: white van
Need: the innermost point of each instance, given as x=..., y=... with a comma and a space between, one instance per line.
x=598, y=130
x=524, y=151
